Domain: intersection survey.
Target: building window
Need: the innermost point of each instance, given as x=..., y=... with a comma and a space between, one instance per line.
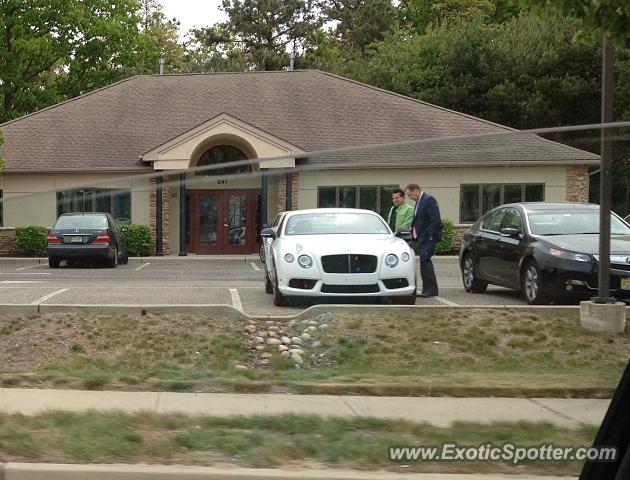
x=475, y=200
x=116, y=202
x=1, y=208
x=375, y=198
x=222, y=154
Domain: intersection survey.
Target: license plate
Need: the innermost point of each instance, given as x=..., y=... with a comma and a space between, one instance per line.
x=76, y=239
x=625, y=283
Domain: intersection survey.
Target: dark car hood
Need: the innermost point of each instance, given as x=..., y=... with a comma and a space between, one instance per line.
x=619, y=244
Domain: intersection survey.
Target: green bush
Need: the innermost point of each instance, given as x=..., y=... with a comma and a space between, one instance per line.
x=448, y=234
x=138, y=239
x=31, y=239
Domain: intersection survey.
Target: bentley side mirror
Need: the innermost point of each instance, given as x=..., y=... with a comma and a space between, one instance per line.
x=268, y=233
x=403, y=232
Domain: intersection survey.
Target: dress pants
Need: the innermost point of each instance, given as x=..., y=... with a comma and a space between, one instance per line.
x=427, y=272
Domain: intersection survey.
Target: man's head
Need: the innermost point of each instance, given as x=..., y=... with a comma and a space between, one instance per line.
x=398, y=196
x=414, y=191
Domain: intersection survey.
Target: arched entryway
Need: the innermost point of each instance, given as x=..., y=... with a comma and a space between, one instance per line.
x=221, y=212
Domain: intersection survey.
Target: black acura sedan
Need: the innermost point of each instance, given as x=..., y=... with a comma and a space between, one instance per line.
x=86, y=237
x=547, y=251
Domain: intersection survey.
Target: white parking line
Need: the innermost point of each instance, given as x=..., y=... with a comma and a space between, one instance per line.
x=49, y=296
x=142, y=266
x=25, y=273
x=32, y=266
x=21, y=281
x=236, y=299
x=446, y=302
x=255, y=267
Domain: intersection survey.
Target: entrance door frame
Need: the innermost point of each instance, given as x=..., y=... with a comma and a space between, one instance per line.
x=222, y=246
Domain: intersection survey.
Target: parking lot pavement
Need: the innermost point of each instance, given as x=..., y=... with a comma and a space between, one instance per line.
x=199, y=281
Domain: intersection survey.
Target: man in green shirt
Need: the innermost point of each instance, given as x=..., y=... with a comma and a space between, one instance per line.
x=401, y=213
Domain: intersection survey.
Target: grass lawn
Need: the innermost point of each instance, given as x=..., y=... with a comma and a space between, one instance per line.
x=291, y=441
x=450, y=352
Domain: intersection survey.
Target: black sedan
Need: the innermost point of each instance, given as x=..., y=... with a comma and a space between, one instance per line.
x=547, y=251
x=86, y=237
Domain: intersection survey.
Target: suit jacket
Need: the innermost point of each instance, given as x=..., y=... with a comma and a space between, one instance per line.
x=404, y=216
x=426, y=219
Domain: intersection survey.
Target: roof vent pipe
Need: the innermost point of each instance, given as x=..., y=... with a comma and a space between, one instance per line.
x=161, y=66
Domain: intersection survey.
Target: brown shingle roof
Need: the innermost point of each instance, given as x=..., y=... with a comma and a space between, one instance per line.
x=110, y=128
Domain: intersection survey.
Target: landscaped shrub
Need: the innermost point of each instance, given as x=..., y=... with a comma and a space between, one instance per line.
x=31, y=239
x=448, y=234
x=138, y=239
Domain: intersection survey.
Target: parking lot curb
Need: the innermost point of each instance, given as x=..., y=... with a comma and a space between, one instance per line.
x=564, y=311
x=212, y=310
x=51, y=471
x=18, y=309
x=198, y=258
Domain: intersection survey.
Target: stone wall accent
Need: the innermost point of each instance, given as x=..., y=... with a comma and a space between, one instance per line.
x=8, y=243
x=281, y=206
x=166, y=203
x=577, y=183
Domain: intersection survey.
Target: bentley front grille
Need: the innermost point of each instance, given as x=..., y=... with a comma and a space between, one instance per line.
x=349, y=263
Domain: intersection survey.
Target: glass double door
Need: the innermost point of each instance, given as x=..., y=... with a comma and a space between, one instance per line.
x=221, y=221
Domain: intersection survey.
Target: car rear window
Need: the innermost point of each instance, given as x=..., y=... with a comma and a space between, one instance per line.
x=82, y=221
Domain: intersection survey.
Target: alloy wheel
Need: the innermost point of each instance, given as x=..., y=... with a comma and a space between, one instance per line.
x=531, y=283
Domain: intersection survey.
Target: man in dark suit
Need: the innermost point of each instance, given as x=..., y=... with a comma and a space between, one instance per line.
x=427, y=231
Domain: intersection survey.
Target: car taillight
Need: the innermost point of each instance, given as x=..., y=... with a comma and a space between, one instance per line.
x=52, y=239
x=102, y=239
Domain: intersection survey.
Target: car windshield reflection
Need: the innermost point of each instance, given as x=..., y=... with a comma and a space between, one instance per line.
x=584, y=222
x=336, y=224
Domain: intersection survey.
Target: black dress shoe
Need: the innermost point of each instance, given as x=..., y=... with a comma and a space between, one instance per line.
x=427, y=295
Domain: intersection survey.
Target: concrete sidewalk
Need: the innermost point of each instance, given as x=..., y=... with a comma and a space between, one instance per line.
x=34, y=471
x=439, y=411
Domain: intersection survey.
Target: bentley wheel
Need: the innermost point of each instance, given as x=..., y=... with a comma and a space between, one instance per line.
x=472, y=284
x=408, y=300
x=268, y=284
x=279, y=300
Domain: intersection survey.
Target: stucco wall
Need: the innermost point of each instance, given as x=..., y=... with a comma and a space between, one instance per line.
x=443, y=183
x=31, y=199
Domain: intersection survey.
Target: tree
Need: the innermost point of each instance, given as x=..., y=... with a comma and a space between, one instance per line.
x=61, y=48
x=262, y=30
x=419, y=15
x=359, y=22
x=525, y=73
x=163, y=38
x=601, y=17
x=212, y=49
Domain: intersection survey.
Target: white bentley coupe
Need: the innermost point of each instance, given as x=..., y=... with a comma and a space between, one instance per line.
x=329, y=252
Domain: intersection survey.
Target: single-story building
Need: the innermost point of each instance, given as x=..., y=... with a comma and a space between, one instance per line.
x=320, y=140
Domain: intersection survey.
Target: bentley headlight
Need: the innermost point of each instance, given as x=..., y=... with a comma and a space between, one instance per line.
x=405, y=257
x=578, y=257
x=305, y=261
x=289, y=258
x=391, y=260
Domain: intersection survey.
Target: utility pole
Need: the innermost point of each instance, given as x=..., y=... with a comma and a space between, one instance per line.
x=605, y=188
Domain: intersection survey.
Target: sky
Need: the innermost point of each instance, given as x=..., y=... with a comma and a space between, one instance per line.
x=193, y=13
